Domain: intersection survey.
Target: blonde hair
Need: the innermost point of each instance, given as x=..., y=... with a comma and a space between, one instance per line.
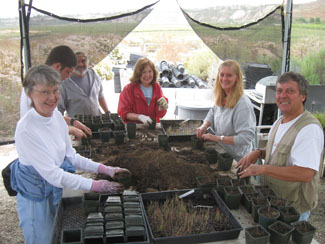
x=138, y=69
x=236, y=92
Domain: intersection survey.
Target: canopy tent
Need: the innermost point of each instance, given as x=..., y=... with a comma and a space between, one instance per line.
x=237, y=30
x=101, y=28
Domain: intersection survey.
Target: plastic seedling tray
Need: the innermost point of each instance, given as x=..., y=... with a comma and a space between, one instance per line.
x=178, y=131
x=197, y=238
x=70, y=215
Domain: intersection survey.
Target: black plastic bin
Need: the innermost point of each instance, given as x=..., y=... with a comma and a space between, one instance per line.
x=198, y=238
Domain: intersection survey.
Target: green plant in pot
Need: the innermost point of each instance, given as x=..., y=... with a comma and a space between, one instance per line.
x=280, y=232
x=224, y=161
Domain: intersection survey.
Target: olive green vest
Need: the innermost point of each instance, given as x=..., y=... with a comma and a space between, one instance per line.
x=302, y=195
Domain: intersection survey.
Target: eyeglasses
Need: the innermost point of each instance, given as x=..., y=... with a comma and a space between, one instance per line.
x=47, y=93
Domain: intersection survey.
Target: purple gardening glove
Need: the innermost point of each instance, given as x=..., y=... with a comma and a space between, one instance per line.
x=114, y=172
x=104, y=186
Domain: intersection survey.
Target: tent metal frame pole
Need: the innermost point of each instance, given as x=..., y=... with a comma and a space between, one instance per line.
x=286, y=36
x=23, y=24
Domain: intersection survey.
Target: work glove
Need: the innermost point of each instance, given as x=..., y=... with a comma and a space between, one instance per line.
x=145, y=119
x=104, y=186
x=114, y=172
x=162, y=102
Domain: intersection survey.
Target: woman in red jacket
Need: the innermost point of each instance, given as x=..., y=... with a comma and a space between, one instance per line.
x=143, y=100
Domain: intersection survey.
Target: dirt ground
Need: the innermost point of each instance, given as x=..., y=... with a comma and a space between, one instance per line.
x=153, y=169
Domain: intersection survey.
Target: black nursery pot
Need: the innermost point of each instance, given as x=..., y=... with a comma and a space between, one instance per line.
x=289, y=214
x=267, y=216
x=132, y=130
x=163, y=141
x=232, y=196
x=104, y=134
x=211, y=155
x=152, y=126
x=224, y=161
x=71, y=236
x=256, y=235
x=119, y=137
x=257, y=202
x=197, y=143
x=280, y=232
x=303, y=232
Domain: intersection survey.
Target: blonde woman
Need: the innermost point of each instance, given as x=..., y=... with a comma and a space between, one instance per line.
x=232, y=117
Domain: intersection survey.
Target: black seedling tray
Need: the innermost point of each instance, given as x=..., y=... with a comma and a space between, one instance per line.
x=199, y=238
x=178, y=131
x=70, y=215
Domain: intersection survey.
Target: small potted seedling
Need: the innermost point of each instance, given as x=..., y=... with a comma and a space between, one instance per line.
x=280, y=232
x=288, y=214
x=277, y=202
x=303, y=232
x=267, y=215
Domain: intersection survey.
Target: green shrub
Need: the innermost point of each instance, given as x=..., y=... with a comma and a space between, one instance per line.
x=200, y=63
x=312, y=67
x=320, y=117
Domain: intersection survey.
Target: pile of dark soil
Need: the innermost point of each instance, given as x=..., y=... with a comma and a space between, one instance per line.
x=153, y=168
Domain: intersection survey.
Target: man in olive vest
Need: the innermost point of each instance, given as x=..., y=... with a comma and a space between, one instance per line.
x=294, y=151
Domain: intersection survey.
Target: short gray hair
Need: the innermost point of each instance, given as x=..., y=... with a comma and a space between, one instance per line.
x=298, y=78
x=42, y=74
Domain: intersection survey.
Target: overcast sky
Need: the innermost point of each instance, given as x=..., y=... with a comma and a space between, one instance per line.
x=9, y=8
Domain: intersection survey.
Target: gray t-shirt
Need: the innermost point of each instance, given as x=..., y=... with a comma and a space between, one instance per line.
x=82, y=82
x=239, y=122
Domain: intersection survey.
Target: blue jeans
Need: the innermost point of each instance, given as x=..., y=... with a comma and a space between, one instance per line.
x=304, y=216
x=36, y=219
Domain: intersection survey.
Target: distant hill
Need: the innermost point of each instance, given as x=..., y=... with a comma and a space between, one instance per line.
x=309, y=10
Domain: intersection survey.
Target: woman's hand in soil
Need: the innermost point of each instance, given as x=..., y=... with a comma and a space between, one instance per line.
x=103, y=186
x=114, y=172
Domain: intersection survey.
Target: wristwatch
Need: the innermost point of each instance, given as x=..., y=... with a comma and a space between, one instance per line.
x=221, y=138
x=72, y=121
